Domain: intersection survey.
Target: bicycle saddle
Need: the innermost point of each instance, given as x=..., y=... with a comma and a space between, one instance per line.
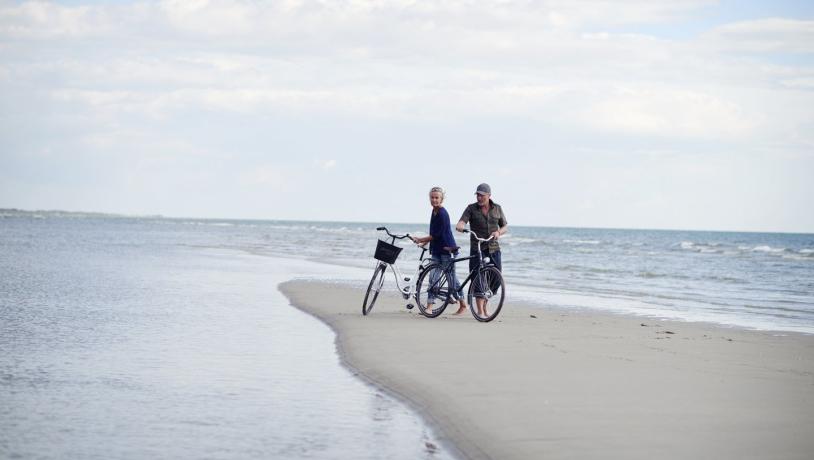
x=451, y=249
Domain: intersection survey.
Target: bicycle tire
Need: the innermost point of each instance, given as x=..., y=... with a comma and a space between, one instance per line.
x=439, y=287
x=495, y=294
x=375, y=286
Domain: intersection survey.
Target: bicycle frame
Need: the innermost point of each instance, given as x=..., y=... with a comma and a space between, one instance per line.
x=482, y=261
x=409, y=290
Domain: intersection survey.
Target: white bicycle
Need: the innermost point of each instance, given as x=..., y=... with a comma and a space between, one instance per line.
x=386, y=254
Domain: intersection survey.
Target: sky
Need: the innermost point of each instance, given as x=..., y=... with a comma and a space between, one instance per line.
x=585, y=113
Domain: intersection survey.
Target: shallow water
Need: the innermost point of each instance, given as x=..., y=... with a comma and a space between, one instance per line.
x=120, y=341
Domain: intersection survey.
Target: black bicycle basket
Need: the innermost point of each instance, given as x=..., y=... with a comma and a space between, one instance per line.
x=387, y=252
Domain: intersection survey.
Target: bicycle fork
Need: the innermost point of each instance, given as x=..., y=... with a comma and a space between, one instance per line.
x=407, y=290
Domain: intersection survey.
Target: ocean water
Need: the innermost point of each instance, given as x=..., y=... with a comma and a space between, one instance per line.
x=751, y=280
x=155, y=337
x=142, y=339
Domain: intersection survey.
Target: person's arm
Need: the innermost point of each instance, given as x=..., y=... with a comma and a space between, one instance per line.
x=422, y=240
x=433, y=230
x=503, y=225
x=463, y=220
x=446, y=228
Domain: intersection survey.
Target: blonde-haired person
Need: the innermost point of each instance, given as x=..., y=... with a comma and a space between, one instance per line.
x=440, y=237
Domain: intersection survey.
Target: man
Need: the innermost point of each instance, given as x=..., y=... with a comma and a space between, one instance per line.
x=485, y=218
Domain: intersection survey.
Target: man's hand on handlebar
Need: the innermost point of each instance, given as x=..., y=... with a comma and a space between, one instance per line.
x=493, y=236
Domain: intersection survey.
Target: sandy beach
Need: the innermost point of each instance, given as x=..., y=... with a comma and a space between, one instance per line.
x=555, y=384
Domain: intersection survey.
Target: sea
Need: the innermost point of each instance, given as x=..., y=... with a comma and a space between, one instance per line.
x=153, y=337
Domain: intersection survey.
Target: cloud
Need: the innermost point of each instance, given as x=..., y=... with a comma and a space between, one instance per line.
x=36, y=20
x=546, y=61
x=338, y=23
x=265, y=175
x=764, y=36
x=325, y=164
x=234, y=80
x=668, y=112
x=802, y=82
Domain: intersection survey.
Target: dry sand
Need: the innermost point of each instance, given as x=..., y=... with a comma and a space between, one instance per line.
x=580, y=385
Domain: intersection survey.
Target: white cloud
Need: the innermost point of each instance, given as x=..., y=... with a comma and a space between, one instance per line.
x=233, y=80
x=669, y=113
x=265, y=175
x=41, y=20
x=403, y=61
x=802, y=83
x=765, y=35
x=315, y=24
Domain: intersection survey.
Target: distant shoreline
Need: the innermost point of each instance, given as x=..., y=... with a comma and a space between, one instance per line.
x=16, y=212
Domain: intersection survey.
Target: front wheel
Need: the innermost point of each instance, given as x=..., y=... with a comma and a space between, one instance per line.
x=486, y=294
x=373, y=289
x=432, y=294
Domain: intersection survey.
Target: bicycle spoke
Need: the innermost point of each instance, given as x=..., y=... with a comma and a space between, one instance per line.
x=373, y=289
x=433, y=290
x=486, y=294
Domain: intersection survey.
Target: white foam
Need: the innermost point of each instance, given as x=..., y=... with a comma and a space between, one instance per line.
x=582, y=241
x=515, y=240
x=768, y=249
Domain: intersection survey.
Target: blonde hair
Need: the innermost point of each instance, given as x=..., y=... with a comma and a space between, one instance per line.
x=439, y=190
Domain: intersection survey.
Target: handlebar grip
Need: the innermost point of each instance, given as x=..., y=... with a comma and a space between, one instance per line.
x=380, y=229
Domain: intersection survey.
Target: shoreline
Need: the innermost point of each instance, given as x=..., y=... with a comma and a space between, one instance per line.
x=556, y=384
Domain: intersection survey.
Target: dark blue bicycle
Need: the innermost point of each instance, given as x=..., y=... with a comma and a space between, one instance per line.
x=487, y=290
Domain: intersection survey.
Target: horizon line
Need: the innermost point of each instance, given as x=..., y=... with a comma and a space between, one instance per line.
x=161, y=216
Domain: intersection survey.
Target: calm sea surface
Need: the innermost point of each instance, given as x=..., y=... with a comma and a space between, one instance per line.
x=143, y=339
x=151, y=337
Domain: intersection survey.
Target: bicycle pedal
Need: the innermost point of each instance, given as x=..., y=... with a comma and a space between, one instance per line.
x=409, y=306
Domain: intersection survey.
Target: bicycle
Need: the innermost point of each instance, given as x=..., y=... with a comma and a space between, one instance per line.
x=486, y=284
x=386, y=254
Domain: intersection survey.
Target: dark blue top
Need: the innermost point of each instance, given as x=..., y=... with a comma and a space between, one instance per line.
x=441, y=232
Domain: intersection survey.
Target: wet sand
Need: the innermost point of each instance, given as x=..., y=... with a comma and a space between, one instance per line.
x=558, y=384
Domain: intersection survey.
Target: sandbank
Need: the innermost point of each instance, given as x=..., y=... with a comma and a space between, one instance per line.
x=555, y=384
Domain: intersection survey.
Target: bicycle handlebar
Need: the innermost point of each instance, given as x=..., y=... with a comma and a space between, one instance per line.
x=473, y=235
x=398, y=237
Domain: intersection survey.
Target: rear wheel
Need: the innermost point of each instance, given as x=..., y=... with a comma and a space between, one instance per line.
x=433, y=287
x=373, y=289
x=487, y=291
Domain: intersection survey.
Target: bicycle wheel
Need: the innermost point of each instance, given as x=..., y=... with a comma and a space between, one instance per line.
x=488, y=288
x=433, y=284
x=373, y=288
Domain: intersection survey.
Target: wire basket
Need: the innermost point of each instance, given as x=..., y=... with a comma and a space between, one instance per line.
x=387, y=252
